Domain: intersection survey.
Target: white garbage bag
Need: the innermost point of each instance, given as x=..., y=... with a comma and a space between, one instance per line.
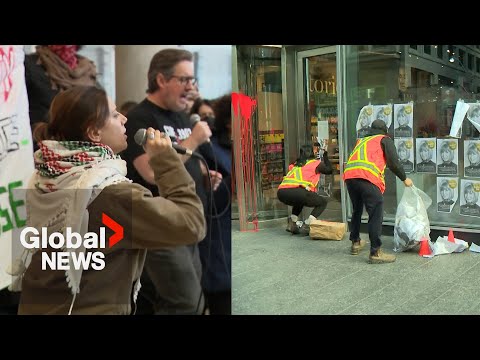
x=411, y=221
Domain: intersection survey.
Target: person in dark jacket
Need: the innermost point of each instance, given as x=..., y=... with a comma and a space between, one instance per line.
x=51, y=69
x=216, y=249
x=365, y=180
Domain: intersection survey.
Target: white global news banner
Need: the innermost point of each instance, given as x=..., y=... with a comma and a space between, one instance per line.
x=16, y=151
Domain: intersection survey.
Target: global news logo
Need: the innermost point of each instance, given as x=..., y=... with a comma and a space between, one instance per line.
x=32, y=238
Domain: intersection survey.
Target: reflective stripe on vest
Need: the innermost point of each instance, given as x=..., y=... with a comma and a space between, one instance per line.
x=294, y=177
x=361, y=162
x=359, y=159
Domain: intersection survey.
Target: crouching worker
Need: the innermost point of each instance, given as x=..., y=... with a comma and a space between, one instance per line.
x=299, y=187
x=364, y=176
x=80, y=186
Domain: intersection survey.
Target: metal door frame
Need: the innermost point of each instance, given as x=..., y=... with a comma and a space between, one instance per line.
x=299, y=100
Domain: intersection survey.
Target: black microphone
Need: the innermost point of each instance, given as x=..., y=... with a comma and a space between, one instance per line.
x=194, y=119
x=140, y=138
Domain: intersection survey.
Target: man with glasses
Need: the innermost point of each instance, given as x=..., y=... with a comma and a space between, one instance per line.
x=171, y=277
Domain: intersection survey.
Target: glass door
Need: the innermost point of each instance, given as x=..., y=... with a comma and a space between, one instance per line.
x=259, y=77
x=318, y=118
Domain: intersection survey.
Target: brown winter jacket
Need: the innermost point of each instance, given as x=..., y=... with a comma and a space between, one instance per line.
x=174, y=218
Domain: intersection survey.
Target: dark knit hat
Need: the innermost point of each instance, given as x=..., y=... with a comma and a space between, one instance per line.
x=380, y=125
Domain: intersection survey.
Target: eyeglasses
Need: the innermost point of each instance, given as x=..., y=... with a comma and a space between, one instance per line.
x=185, y=79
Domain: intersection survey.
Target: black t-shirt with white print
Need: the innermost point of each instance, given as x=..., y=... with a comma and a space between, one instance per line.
x=174, y=124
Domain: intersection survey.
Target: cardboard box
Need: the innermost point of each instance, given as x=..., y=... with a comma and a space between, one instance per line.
x=327, y=230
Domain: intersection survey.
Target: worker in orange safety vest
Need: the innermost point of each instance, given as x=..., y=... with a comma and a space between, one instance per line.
x=299, y=188
x=365, y=180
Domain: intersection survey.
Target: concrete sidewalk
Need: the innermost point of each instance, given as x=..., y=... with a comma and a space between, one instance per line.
x=274, y=272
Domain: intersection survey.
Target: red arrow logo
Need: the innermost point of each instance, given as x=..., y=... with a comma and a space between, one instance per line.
x=116, y=227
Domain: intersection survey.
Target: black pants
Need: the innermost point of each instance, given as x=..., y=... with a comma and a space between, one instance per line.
x=9, y=302
x=219, y=303
x=171, y=282
x=300, y=197
x=364, y=192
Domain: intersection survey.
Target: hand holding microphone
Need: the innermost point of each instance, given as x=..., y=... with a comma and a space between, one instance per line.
x=200, y=130
x=154, y=141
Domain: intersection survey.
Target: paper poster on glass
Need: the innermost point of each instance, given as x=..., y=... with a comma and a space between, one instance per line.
x=460, y=111
x=403, y=120
x=364, y=121
x=469, y=198
x=473, y=115
x=447, y=155
x=322, y=136
x=384, y=113
x=324, y=187
x=471, y=158
x=426, y=155
x=447, y=193
x=405, y=153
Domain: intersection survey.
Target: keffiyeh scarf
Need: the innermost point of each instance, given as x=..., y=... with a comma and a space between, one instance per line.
x=69, y=176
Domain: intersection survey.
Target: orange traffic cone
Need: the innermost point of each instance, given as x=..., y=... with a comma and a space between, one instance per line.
x=451, y=238
x=424, y=247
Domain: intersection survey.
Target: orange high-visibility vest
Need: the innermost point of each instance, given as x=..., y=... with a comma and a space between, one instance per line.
x=303, y=176
x=367, y=161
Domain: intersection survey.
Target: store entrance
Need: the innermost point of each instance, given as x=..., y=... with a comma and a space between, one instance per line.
x=318, y=121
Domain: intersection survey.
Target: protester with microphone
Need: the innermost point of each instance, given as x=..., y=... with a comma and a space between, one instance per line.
x=171, y=279
x=80, y=179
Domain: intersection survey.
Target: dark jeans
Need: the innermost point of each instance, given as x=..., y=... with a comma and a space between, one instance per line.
x=300, y=197
x=364, y=192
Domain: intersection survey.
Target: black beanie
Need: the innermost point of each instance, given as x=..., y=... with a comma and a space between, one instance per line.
x=380, y=125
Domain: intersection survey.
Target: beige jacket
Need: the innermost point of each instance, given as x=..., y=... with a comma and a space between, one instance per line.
x=174, y=218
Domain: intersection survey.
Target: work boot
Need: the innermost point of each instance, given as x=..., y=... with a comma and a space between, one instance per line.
x=381, y=258
x=357, y=246
x=305, y=230
x=292, y=227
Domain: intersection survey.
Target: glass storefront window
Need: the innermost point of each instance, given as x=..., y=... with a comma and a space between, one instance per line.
x=259, y=77
x=321, y=124
x=429, y=89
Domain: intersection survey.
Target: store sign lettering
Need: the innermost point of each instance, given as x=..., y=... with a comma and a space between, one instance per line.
x=329, y=87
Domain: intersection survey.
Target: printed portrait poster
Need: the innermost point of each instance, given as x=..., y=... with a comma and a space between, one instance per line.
x=426, y=159
x=403, y=120
x=471, y=158
x=447, y=155
x=447, y=193
x=405, y=152
x=469, y=198
x=473, y=115
x=384, y=113
x=365, y=118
